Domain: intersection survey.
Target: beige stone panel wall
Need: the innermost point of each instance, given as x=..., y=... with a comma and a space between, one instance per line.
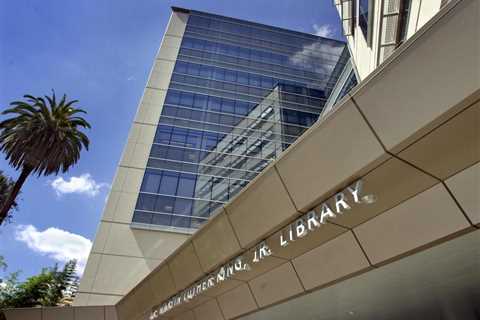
x=60, y=313
x=391, y=183
x=208, y=311
x=102, y=300
x=161, y=73
x=259, y=267
x=276, y=285
x=150, y=106
x=334, y=260
x=130, y=254
x=311, y=240
x=237, y=301
x=328, y=155
x=119, y=274
x=265, y=196
x=414, y=101
x=185, y=267
x=124, y=240
x=449, y=148
x=465, y=187
x=185, y=316
x=163, y=283
x=419, y=221
x=63, y=313
x=123, y=207
x=23, y=314
x=215, y=242
x=89, y=274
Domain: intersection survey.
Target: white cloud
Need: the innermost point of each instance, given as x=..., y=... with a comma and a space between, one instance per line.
x=84, y=184
x=57, y=244
x=325, y=30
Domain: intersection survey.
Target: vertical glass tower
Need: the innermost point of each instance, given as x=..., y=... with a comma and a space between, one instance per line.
x=239, y=95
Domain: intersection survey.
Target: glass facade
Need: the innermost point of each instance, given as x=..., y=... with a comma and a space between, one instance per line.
x=240, y=94
x=363, y=16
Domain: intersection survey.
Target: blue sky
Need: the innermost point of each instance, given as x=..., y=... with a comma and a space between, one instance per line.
x=99, y=52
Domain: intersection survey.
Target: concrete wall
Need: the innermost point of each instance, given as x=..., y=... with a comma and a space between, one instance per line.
x=63, y=313
x=410, y=132
x=121, y=255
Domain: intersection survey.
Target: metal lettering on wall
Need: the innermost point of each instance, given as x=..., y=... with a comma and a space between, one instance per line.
x=339, y=204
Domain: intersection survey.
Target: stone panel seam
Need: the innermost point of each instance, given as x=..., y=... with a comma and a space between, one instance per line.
x=298, y=276
x=233, y=228
x=198, y=258
x=253, y=296
x=459, y=206
x=361, y=248
x=115, y=222
x=127, y=256
x=173, y=280
x=367, y=122
x=168, y=60
x=101, y=293
x=414, y=166
x=220, y=308
x=286, y=189
x=159, y=89
x=100, y=259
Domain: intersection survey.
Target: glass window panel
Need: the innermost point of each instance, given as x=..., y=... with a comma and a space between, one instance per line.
x=194, y=69
x=186, y=185
x=175, y=153
x=187, y=43
x=186, y=99
x=164, y=204
x=230, y=76
x=200, y=101
x=242, y=77
x=146, y=202
x=181, y=67
x=183, y=206
x=142, y=217
x=181, y=222
x=178, y=137
x=228, y=106
x=173, y=97
x=219, y=74
x=169, y=111
x=169, y=183
x=184, y=113
x=163, y=134
x=151, y=181
x=194, y=139
x=161, y=219
x=214, y=103
x=158, y=151
x=254, y=80
x=206, y=71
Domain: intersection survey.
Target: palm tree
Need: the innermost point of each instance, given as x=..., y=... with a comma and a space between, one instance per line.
x=43, y=137
x=6, y=185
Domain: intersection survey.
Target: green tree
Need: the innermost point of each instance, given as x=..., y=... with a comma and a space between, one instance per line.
x=3, y=264
x=43, y=137
x=52, y=287
x=6, y=186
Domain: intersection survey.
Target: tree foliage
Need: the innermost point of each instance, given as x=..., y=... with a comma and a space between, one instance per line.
x=6, y=186
x=52, y=287
x=41, y=136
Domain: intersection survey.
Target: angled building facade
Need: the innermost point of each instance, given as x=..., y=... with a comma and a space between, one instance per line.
x=373, y=213
x=225, y=98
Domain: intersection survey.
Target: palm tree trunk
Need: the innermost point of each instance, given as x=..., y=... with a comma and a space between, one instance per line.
x=14, y=193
